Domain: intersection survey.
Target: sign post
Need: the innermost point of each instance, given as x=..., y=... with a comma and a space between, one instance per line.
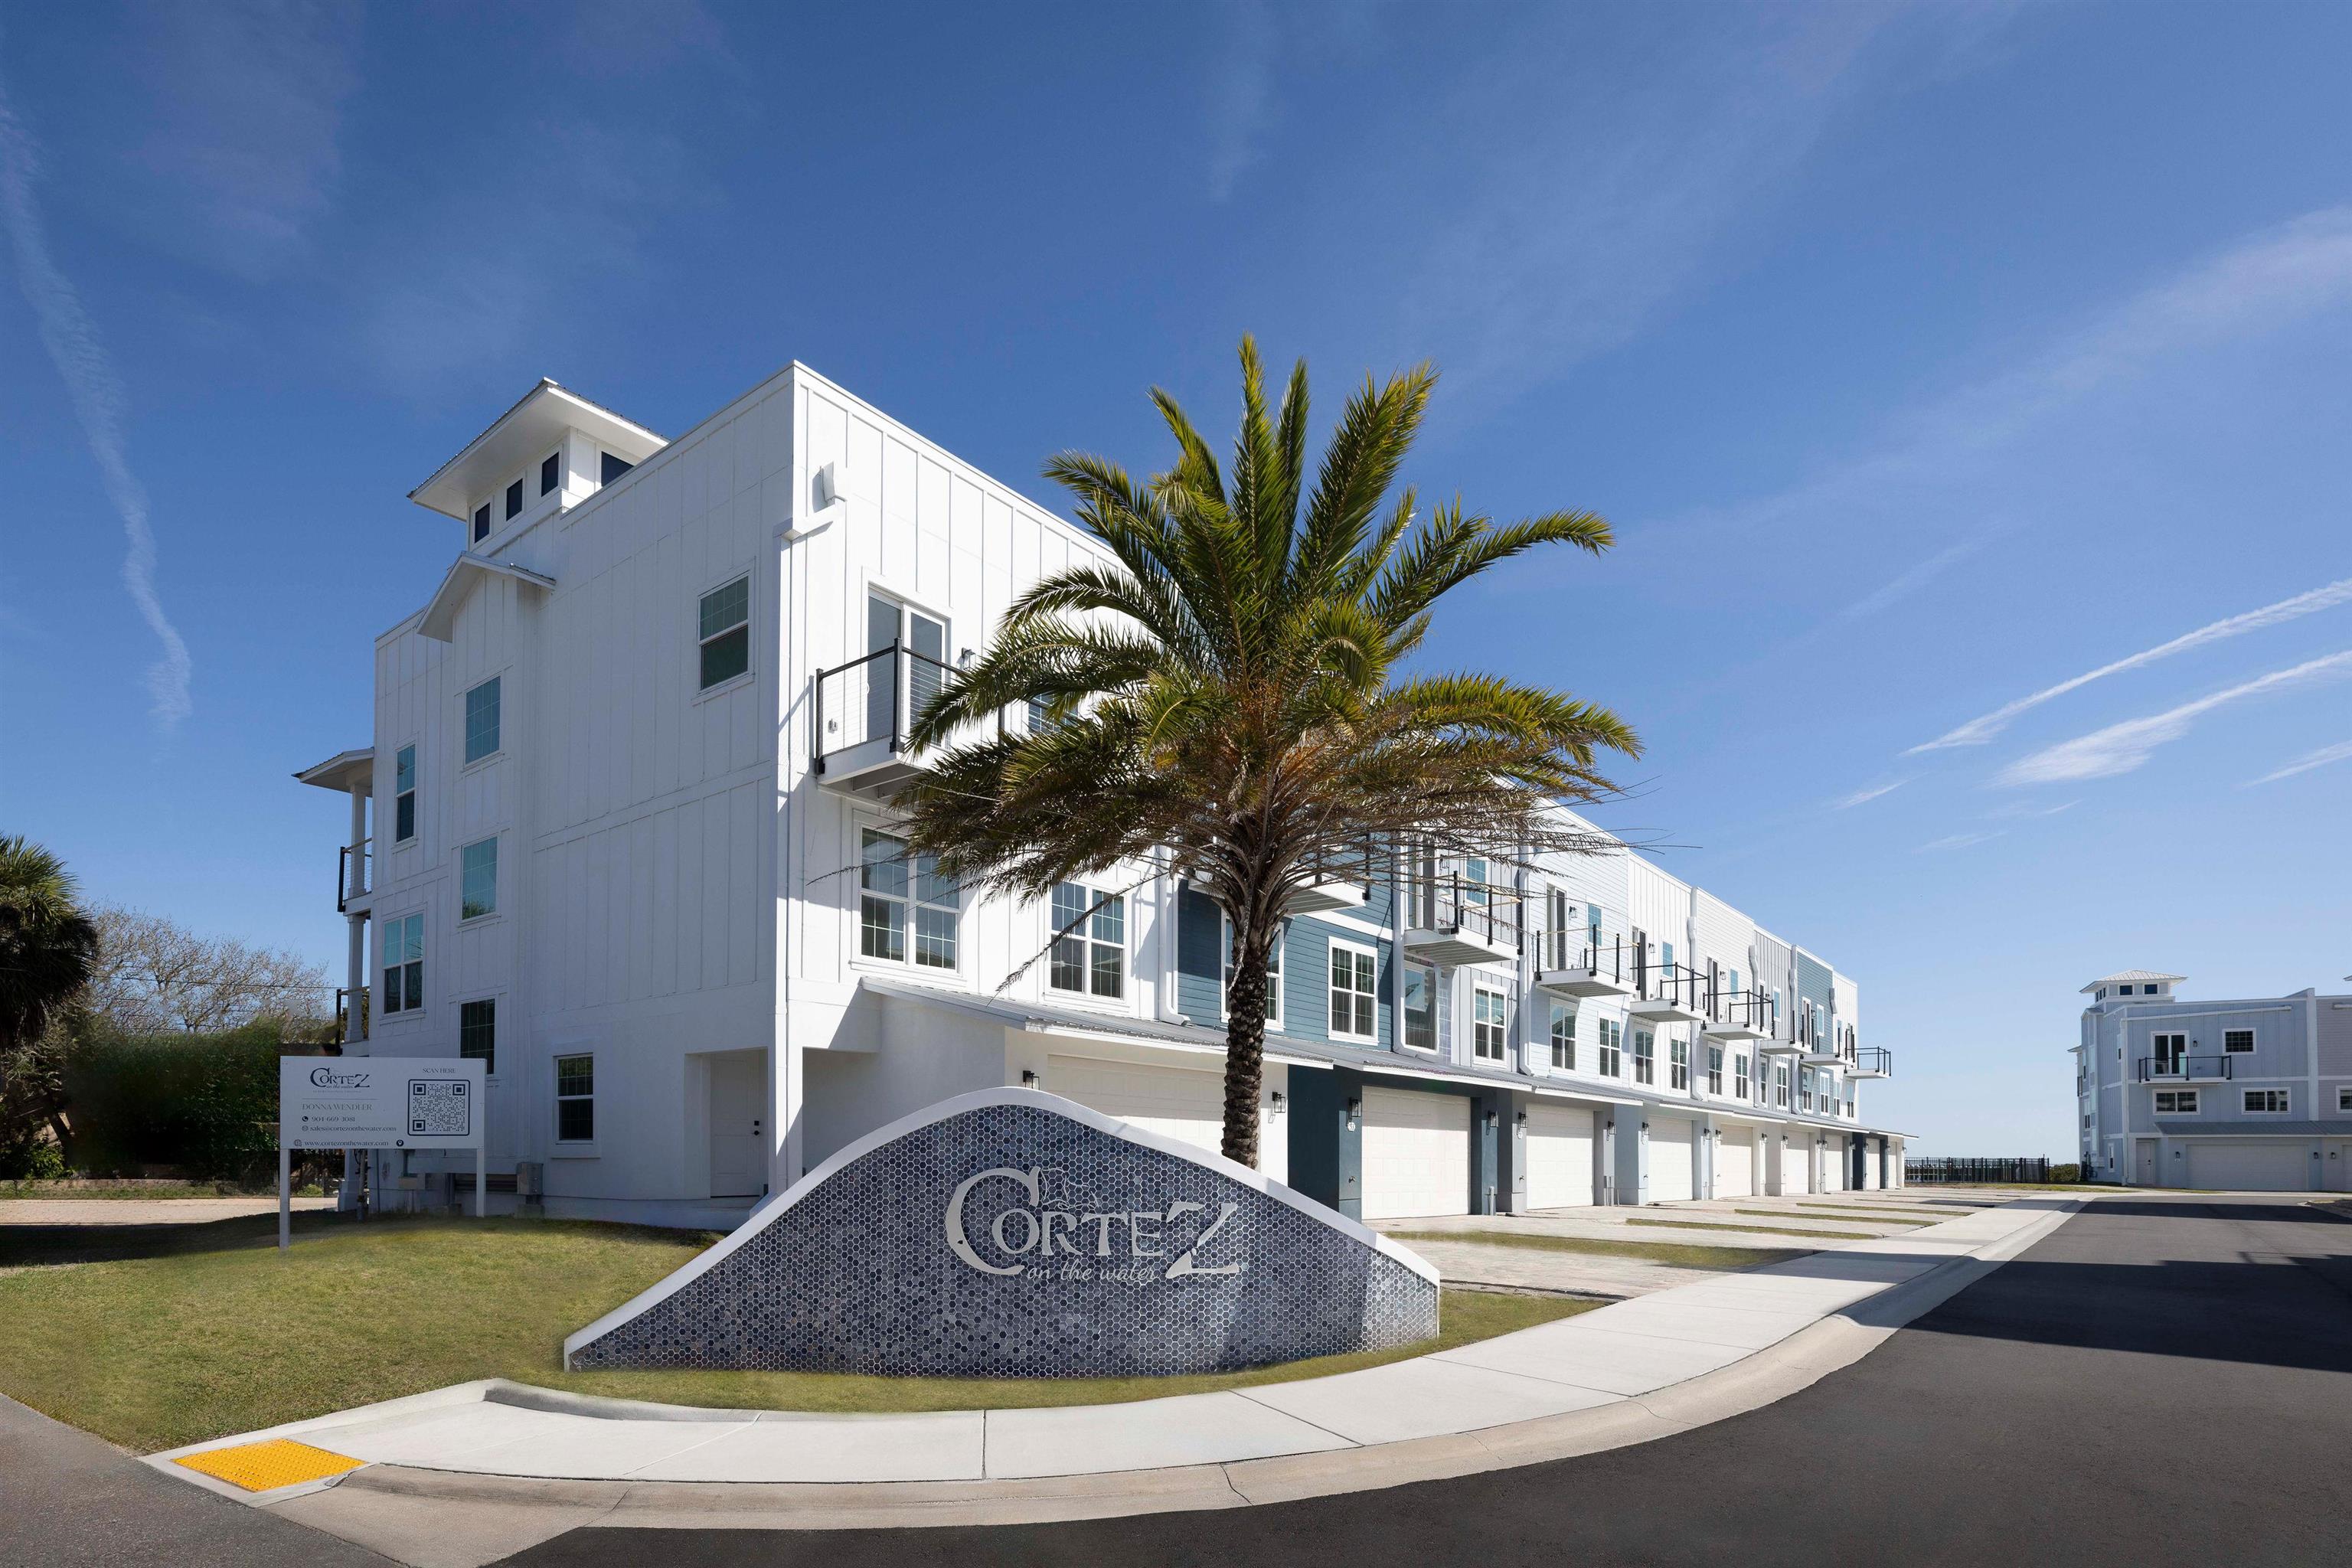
x=377, y=1102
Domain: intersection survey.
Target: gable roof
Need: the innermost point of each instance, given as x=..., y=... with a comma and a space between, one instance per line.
x=440, y=618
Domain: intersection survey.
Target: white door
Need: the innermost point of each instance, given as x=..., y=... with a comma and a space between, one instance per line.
x=1416, y=1153
x=1735, y=1163
x=2144, y=1163
x=2231, y=1167
x=739, y=1105
x=2337, y=1173
x=1670, y=1160
x=1560, y=1156
x=1833, y=1159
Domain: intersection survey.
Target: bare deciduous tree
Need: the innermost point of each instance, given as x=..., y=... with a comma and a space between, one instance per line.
x=153, y=977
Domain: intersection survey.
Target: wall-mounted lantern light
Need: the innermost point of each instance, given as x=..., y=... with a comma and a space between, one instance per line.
x=1523, y=1120
x=1275, y=1101
x=1355, y=1112
x=1028, y=1077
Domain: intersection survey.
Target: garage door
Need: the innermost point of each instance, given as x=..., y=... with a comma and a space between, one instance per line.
x=2248, y=1167
x=1560, y=1156
x=1788, y=1167
x=1735, y=1163
x=1670, y=1160
x=1416, y=1153
x=1833, y=1159
x=1190, y=1106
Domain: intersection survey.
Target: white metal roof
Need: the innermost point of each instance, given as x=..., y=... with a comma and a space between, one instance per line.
x=2129, y=976
x=520, y=436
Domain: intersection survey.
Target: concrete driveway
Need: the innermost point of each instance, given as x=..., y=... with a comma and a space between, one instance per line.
x=2167, y=1379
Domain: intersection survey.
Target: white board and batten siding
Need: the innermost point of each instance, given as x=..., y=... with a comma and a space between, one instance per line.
x=1724, y=935
x=1559, y=1155
x=1416, y=1153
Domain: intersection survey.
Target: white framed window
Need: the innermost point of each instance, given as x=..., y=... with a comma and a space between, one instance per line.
x=514, y=501
x=1804, y=1089
x=550, y=471
x=1715, y=1069
x=403, y=795
x=478, y=879
x=1355, y=990
x=2173, y=1102
x=1090, y=955
x=896, y=692
x=611, y=466
x=1646, y=1057
x=1612, y=1048
x=482, y=522
x=901, y=897
x=1489, y=1024
x=575, y=1098
x=1273, y=972
x=723, y=622
x=482, y=720
x=1563, y=1036
x=478, y=1033
x=1739, y=1075
x=2344, y=1098
x=401, y=948
x=2266, y=1102
x=1677, y=1064
x=1421, y=1006
x=2235, y=1040
x=1780, y=1085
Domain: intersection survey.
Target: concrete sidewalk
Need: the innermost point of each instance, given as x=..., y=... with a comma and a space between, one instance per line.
x=521, y=1463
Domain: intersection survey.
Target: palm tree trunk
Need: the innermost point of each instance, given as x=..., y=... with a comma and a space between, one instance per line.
x=1245, y=1044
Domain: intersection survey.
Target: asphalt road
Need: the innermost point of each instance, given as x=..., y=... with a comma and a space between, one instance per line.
x=67, y=1499
x=2166, y=1380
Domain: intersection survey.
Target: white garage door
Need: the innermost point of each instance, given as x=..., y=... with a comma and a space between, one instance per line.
x=2248, y=1167
x=1560, y=1156
x=1735, y=1163
x=1416, y=1153
x=1190, y=1106
x=1670, y=1160
x=1833, y=1166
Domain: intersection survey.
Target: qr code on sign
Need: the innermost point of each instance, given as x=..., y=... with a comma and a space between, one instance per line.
x=439, y=1107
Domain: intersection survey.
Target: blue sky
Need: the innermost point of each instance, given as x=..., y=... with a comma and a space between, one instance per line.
x=1927, y=360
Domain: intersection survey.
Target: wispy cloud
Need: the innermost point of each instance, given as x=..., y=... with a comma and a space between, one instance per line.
x=97, y=396
x=1984, y=727
x=2340, y=752
x=1240, y=93
x=2022, y=809
x=240, y=160
x=1958, y=841
x=1919, y=577
x=2120, y=748
x=1863, y=796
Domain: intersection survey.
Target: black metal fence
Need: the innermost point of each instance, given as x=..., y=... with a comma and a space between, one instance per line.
x=1932, y=1170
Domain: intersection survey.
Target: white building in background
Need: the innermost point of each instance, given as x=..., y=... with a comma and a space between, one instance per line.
x=618, y=832
x=2246, y=1095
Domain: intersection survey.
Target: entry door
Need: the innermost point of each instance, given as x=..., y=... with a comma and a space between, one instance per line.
x=2171, y=1053
x=2336, y=1175
x=739, y=1102
x=893, y=696
x=2144, y=1161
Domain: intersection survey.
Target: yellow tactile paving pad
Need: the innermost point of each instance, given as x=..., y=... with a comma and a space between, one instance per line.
x=266, y=1466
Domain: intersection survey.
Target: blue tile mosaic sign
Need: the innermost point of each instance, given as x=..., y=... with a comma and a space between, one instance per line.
x=1011, y=1233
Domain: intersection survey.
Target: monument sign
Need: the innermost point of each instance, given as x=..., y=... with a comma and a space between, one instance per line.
x=376, y=1103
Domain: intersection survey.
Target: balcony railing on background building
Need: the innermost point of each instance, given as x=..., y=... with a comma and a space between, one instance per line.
x=875, y=697
x=354, y=873
x=2183, y=1068
x=1573, y=947
x=1450, y=901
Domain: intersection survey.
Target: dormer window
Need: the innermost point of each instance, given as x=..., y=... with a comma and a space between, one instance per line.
x=551, y=470
x=613, y=469
x=482, y=522
x=514, y=501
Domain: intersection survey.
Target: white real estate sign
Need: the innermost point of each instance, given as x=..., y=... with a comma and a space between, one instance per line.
x=376, y=1103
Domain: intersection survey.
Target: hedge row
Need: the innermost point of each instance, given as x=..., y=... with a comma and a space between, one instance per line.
x=204, y=1105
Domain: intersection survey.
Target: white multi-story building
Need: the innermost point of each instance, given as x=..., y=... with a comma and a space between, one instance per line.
x=619, y=832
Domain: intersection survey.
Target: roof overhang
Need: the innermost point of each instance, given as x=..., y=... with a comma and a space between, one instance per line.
x=342, y=772
x=520, y=436
x=440, y=618
x=2129, y=976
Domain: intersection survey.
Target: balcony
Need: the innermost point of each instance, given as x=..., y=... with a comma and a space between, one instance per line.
x=1668, y=993
x=2184, y=1069
x=1820, y=1056
x=1322, y=897
x=1452, y=921
x=1872, y=1061
x=1744, y=1015
x=861, y=713
x=354, y=877
x=1569, y=967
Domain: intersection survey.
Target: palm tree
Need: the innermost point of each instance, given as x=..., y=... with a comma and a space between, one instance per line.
x=1230, y=695
x=47, y=949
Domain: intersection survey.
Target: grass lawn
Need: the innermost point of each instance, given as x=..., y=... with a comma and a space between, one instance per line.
x=217, y=1333
x=1782, y=1230
x=1895, y=1216
x=1682, y=1254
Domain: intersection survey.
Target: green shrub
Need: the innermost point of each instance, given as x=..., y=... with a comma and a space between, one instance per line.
x=35, y=1158
x=204, y=1105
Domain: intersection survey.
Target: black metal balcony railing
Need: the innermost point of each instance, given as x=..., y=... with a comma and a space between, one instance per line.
x=1874, y=1059
x=353, y=871
x=876, y=698
x=1575, y=947
x=1451, y=902
x=2182, y=1067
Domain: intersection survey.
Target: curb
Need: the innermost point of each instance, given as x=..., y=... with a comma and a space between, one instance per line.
x=434, y=1518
